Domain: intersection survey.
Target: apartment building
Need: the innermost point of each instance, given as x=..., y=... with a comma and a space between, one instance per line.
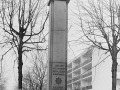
x=91, y=71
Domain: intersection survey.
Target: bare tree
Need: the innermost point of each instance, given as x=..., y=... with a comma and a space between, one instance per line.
x=2, y=82
x=35, y=76
x=2, y=79
x=100, y=22
x=22, y=22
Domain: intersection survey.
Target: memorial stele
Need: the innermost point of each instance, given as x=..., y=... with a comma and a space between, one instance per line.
x=57, y=66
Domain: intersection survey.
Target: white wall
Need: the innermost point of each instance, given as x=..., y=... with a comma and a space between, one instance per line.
x=101, y=79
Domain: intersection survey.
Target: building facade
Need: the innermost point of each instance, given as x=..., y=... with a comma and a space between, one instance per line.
x=91, y=71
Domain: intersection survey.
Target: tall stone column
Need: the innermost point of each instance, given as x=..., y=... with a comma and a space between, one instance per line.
x=57, y=68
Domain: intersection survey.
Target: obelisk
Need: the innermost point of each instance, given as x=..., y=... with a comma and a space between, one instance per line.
x=57, y=68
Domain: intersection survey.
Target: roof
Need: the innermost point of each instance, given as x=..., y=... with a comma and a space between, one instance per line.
x=82, y=53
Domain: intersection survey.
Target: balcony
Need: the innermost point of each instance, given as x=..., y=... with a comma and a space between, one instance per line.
x=86, y=62
x=87, y=87
x=76, y=67
x=69, y=81
x=89, y=73
x=77, y=89
x=69, y=71
x=76, y=78
x=69, y=66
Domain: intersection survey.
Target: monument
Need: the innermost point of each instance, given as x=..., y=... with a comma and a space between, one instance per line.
x=57, y=68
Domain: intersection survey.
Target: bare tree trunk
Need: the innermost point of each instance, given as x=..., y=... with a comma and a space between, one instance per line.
x=20, y=62
x=114, y=72
x=41, y=86
x=114, y=66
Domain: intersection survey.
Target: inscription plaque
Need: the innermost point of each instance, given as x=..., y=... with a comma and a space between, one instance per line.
x=58, y=75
